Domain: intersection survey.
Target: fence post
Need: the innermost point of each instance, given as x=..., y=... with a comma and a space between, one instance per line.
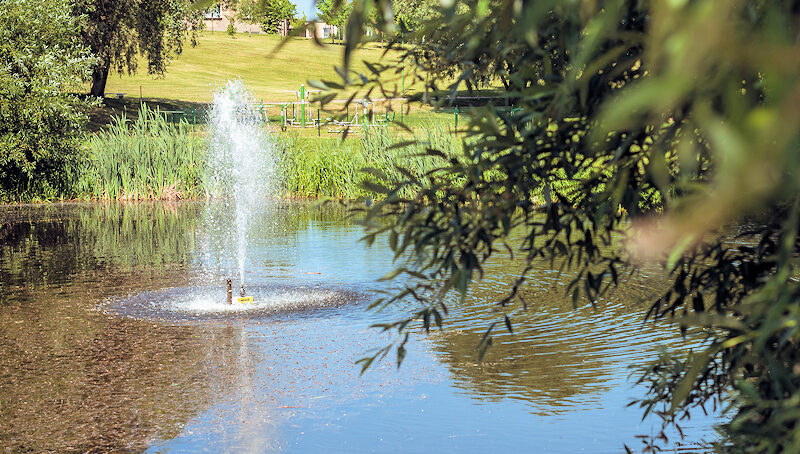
x=303, y=105
x=456, y=128
x=319, y=125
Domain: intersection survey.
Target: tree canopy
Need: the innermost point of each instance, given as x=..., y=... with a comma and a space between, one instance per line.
x=412, y=15
x=334, y=12
x=118, y=32
x=274, y=11
x=41, y=61
x=664, y=131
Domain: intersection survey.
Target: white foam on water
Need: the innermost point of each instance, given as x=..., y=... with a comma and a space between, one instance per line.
x=198, y=303
x=273, y=301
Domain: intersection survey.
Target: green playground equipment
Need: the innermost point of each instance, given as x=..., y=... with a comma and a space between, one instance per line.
x=176, y=116
x=304, y=100
x=300, y=114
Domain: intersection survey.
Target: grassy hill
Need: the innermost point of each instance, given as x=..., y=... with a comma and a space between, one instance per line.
x=316, y=161
x=272, y=76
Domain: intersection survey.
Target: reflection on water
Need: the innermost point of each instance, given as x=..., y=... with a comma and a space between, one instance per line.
x=71, y=380
x=112, y=338
x=557, y=359
x=47, y=245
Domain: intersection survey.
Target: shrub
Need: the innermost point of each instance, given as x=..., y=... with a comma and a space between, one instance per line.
x=39, y=122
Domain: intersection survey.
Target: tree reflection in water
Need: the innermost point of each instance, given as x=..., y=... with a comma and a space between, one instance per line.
x=73, y=379
x=557, y=359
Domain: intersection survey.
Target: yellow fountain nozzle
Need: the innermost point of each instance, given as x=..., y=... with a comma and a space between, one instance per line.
x=245, y=300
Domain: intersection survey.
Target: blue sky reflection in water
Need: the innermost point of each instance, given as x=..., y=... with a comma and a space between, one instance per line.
x=285, y=380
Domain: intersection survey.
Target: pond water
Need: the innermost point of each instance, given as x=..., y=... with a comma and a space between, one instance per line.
x=115, y=336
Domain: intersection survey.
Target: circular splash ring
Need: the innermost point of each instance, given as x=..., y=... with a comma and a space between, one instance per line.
x=210, y=303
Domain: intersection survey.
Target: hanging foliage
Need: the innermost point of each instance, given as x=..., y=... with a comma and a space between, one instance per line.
x=672, y=124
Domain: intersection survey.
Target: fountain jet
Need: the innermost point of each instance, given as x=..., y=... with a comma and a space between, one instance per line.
x=242, y=159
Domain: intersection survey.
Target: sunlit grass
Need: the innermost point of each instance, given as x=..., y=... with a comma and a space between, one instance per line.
x=273, y=76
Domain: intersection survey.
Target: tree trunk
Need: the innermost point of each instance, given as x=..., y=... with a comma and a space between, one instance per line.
x=99, y=78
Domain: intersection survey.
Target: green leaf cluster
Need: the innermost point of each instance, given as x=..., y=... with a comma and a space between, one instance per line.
x=334, y=12
x=673, y=124
x=274, y=11
x=41, y=61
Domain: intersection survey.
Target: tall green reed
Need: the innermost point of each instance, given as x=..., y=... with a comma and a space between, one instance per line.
x=147, y=158
x=331, y=167
x=151, y=158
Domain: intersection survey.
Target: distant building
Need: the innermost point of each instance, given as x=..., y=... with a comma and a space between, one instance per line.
x=285, y=27
x=217, y=18
x=324, y=31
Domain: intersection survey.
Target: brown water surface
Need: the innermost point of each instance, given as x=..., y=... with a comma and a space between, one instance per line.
x=112, y=338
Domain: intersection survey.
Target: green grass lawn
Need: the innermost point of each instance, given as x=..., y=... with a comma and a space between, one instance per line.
x=315, y=161
x=272, y=76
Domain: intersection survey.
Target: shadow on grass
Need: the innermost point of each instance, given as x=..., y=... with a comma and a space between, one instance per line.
x=101, y=116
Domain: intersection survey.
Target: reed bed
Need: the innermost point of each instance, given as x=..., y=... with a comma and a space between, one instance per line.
x=149, y=158
x=330, y=167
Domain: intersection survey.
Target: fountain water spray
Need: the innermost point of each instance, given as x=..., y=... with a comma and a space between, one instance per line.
x=242, y=159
